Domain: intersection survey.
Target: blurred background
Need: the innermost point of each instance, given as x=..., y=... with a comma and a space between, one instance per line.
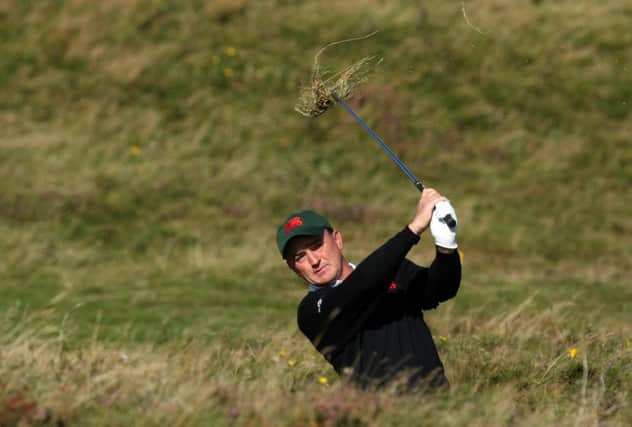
x=149, y=149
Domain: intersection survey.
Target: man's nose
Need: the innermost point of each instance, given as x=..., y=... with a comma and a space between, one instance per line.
x=312, y=258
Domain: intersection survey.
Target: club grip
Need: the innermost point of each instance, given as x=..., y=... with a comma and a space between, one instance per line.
x=450, y=222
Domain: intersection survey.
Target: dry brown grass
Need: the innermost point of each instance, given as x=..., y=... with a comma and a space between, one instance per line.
x=316, y=97
x=497, y=376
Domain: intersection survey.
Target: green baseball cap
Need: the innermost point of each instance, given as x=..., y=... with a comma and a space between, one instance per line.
x=301, y=223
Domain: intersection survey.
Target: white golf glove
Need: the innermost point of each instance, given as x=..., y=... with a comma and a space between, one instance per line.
x=444, y=235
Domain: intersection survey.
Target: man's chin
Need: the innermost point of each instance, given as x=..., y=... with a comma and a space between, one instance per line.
x=322, y=281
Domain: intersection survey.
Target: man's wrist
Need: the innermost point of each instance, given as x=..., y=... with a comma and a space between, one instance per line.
x=415, y=229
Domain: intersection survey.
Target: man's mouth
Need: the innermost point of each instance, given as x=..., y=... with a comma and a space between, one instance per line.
x=320, y=270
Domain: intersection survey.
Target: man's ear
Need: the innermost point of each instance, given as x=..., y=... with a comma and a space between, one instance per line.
x=337, y=235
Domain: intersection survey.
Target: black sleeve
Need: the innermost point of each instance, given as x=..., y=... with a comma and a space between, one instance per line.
x=428, y=287
x=332, y=315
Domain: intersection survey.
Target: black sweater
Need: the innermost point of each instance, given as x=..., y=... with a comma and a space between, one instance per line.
x=371, y=326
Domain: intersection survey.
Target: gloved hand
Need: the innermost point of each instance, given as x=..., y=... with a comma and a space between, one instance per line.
x=444, y=236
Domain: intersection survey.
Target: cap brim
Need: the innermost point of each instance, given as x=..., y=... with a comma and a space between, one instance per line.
x=303, y=231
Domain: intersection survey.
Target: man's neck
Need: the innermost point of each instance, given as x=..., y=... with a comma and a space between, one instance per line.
x=347, y=268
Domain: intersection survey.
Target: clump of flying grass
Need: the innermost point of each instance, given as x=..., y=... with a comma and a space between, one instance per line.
x=316, y=98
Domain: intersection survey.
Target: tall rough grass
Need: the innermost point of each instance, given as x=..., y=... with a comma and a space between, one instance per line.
x=515, y=368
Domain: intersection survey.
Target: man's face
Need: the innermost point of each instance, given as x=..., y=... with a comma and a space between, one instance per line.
x=317, y=259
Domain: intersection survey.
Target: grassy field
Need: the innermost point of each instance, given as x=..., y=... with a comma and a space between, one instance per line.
x=149, y=149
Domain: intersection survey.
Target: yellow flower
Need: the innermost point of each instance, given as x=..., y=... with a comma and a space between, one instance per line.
x=230, y=51
x=442, y=338
x=215, y=59
x=572, y=352
x=229, y=73
x=323, y=380
x=135, y=150
x=291, y=362
x=283, y=353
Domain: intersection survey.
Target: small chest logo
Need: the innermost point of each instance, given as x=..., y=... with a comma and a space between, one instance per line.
x=392, y=287
x=319, y=303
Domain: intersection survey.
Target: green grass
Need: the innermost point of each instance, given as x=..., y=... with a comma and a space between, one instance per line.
x=148, y=150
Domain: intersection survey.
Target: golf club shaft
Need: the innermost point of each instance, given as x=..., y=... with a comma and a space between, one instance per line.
x=377, y=139
x=448, y=218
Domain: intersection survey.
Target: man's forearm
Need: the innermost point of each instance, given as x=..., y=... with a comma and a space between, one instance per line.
x=444, y=276
x=373, y=275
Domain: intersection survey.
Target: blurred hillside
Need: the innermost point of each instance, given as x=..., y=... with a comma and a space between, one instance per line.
x=151, y=140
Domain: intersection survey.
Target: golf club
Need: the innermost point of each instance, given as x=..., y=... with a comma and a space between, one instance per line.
x=451, y=222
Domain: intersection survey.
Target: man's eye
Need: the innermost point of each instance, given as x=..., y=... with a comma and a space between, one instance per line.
x=298, y=257
x=316, y=245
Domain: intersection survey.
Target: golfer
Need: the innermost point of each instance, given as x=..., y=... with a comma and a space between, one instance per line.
x=367, y=319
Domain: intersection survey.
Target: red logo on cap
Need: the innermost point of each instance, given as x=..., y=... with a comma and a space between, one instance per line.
x=293, y=223
x=393, y=286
